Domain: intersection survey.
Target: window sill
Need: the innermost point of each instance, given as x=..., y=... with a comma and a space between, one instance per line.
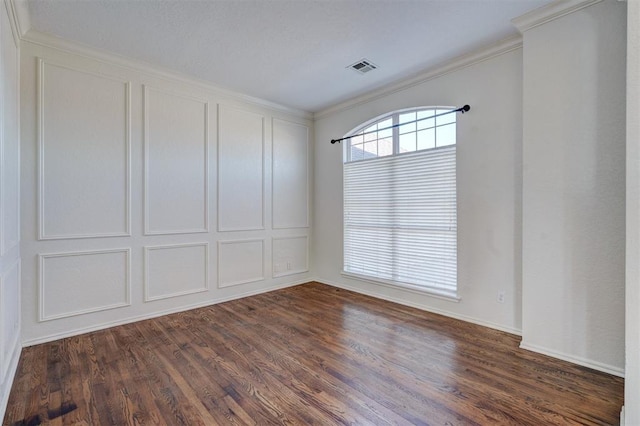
x=407, y=287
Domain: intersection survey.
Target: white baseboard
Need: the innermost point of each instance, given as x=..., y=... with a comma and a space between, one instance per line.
x=422, y=307
x=83, y=330
x=605, y=368
x=5, y=390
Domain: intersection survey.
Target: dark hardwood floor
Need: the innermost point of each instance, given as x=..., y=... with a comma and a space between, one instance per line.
x=310, y=354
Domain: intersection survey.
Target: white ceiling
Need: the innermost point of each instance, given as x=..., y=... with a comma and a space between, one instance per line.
x=292, y=52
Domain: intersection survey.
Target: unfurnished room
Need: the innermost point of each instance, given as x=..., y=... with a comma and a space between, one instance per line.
x=376, y=212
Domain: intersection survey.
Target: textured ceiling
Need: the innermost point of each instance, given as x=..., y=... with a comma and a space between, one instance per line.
x=292, y=52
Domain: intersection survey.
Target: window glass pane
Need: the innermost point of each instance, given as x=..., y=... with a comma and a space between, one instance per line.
x=405, y=118
x=426, y=139
x=357, y=152
x=371, y=149
x=385, y=147
x=386, y=123
x=426, y=123
x=371, y=136
x=356, y=140
x=385, y=133
x=408, y=142
x=445, y=119
x=446, y=135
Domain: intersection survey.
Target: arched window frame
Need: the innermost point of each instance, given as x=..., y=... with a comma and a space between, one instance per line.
x=390, y=141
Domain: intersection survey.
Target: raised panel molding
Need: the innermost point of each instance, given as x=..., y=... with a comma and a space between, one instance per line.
x=240, y=262
x=290, y=175
x=10, y=277
x=180, y=190
x=241, y=188
x=291, y=258
x=88, y=282
x=170, y=274
x=95, y=206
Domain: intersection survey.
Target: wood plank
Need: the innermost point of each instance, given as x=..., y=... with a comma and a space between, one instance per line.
x=310, y=354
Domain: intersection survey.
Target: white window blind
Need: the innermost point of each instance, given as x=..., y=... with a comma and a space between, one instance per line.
x=400, y=221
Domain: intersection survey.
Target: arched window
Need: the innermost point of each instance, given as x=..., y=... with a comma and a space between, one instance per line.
x=400, y=217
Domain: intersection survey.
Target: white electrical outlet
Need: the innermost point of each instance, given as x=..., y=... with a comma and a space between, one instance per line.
x=501, y=297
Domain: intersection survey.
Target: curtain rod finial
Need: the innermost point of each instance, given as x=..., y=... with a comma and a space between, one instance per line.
x=465, y=108
x=334, y=141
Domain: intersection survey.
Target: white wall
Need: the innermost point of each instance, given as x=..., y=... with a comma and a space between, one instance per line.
x=9, y=205
x=146, y=192
x=574, y=187
x=632, y=319
x=489, y=179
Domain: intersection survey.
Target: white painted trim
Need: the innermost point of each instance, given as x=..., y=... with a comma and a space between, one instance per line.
x=599, y=366
x=12, y=369
x=18, y=12
x=147, y=288
x=442, y=312
x=264, y=185
x=17, y=265
x=455, y=64
x=4, y=247
x=251, y=280
x=273, y=224
x=293, y=272
x=50, y=41
x=42, y=236
x=156, y=314
x=549, y=12
x=41, y=284
x=145, y=147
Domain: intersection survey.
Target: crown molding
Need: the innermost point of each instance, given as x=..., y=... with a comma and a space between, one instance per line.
x=455, y=64
x=53, y=42
x=549, y=12
x=19, y=16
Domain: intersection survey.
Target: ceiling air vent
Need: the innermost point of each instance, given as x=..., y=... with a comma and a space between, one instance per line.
x=363, y=66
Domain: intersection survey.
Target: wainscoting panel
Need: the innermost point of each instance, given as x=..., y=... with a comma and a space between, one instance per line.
x=240, y=170
x=290, y=175
x=77, y=283
x=176, y=270
x=83, y=129
x=240, y=262
x=176, y=165
x=290, y=255
x=10, y=327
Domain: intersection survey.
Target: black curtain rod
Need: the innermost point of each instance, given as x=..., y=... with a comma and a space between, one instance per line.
x=462, y=109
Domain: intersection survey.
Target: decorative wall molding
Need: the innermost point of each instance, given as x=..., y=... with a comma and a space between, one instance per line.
x=53, y=42
x=42, y=258
x=5, y=352
x=221, y=226
x=81, y=330
x=261, y=277
x=42, y=234
x=550, y=12
x=147, y=282
x=7, y=380
x=18, y=12
x=447, y=67
x=146, y=143
x=292, y=271
x=274, y=225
